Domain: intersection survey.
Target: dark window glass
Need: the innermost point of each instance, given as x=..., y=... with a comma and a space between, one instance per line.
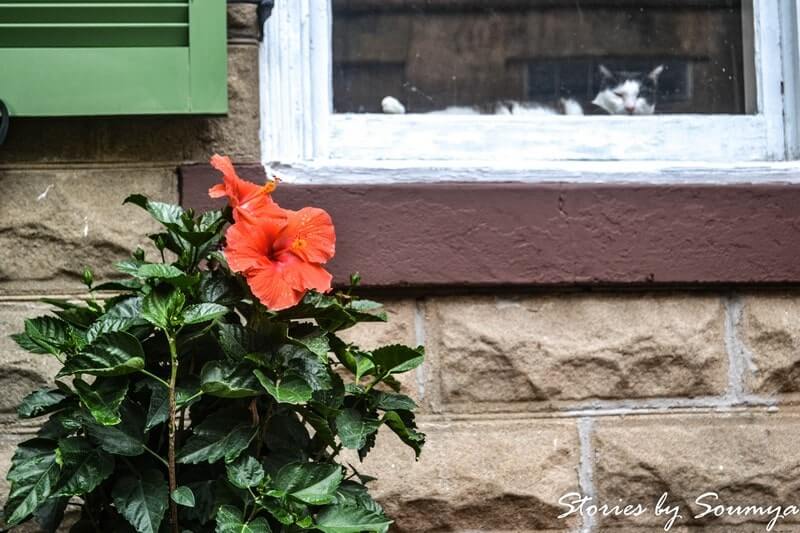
x=542, y=56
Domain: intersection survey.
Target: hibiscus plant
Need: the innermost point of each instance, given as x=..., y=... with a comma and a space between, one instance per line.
x=209, y=390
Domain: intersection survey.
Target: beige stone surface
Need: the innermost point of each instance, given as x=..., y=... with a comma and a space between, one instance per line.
x=242, y=22
x=746, y=458
x=21, y=372
x=770, y=330
x=398, y=329
x=57, y=221
x=477, y=476
x=576, y=347
x=149, y=139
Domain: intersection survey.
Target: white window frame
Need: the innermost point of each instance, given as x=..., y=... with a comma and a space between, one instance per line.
x=301, y=132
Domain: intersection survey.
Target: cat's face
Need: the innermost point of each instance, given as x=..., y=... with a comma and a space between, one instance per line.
x=628, y=93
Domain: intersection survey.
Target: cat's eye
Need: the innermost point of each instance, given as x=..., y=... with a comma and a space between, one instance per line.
x=618, y=94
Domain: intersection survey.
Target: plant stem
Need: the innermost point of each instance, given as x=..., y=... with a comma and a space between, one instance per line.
x=173, y=409
x=151, y=375
x=154, y=454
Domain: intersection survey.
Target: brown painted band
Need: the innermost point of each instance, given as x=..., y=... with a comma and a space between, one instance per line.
x=539, y=235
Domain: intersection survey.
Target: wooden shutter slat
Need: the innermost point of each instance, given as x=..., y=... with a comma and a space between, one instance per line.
x=51, y=13
x=93, y=35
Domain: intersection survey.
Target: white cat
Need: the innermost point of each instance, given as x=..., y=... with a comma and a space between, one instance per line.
x=628, y=93
x=621, y=93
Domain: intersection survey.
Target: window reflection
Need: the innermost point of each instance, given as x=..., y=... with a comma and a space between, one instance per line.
x=541, y=57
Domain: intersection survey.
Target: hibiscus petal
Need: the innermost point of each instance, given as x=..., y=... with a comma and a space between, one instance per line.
x=309, y=234
x=305, y=276
x=237, y=190
x=272, y=288
x=247, y=245
x=217, y=191
x=260, y=208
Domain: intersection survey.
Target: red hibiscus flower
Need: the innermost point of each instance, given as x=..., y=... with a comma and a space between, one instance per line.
x=282, y=259
x=245, y=197
x=280, y=252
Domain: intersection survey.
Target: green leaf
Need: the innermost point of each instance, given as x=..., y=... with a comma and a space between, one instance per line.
x=363, y=364
x=121, y=285
x=171, y=274
x=196, y=314
x=229, y=380
x=48, y=334
x=316, y=341
x=125, y=438
x=108, y=324
x=50, y=514
x=158, y=271
x=237, y=341
x=34, y=472
x=287, y=436
x=85, y=466
x=367, y=310
x=245, y=472
x=80, y=317
x=128, y=266
x=183, y=496
x=220, y=289
x=103, y=398
x=167, y=214
x=311, y=483
x=231, y=520
x=158, y=406
x=405, y=428
x=163, y=309
x=396, y=358
x=61, y=424
x=142, y=500
x=356, y=495
x=224, y=434
x=349, y=519
x=125, y=307
x=112, y=354
x=41, y=402
x=292, y=389
x=387, y=401
x=302, y=362
x=354, y=428
x=27, y=344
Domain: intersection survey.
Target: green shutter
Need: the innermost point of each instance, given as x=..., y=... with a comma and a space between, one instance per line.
x=113, y=57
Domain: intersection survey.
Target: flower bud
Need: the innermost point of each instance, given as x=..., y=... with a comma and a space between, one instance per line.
x=138, y=254
x=88, y=277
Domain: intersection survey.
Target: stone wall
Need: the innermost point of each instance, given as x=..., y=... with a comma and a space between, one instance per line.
x=524, y=397
x=620, y=396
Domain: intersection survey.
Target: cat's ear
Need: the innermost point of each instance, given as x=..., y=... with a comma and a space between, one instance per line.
x=656, y=72
x=605, y=72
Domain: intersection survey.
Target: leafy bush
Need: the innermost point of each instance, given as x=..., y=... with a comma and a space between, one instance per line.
x=212, y=393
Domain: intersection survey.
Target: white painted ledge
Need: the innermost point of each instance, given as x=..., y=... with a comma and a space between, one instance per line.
x=716, y=138
x=657, y=172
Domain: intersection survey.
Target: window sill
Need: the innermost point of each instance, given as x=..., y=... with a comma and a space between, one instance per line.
x=448, y=236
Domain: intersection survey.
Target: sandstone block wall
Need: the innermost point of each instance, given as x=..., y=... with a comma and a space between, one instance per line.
x=524, y=397
x=617, y=396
